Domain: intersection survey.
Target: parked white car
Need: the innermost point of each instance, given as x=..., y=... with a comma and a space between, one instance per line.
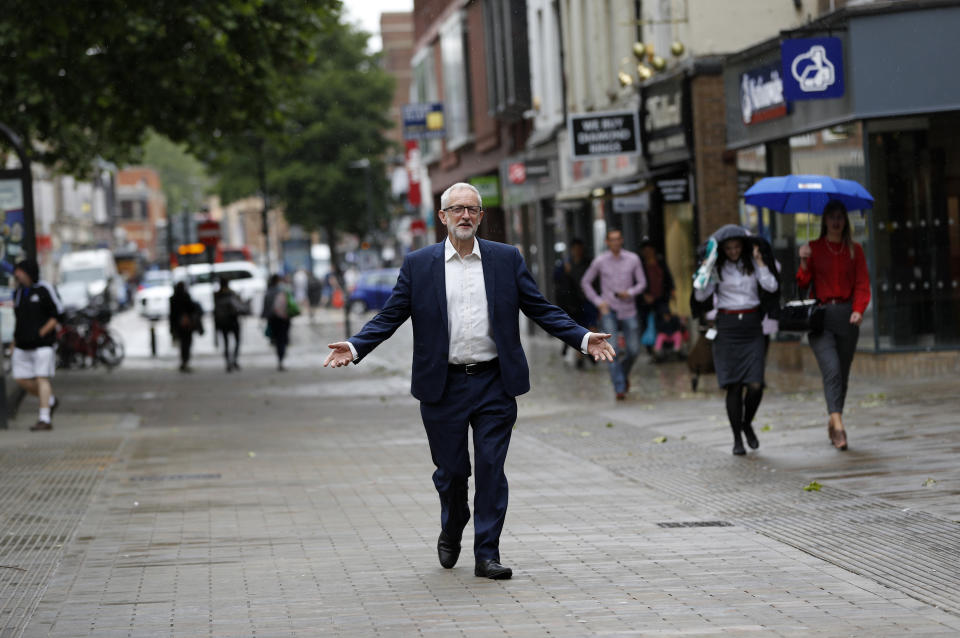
x=246, y=279
x=153, y=296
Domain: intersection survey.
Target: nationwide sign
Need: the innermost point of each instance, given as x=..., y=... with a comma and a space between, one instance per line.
x=423, y=121
x=603, y=134
x=812, y=68
x=761, y=94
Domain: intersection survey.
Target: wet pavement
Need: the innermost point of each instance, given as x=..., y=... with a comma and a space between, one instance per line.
x=300, y=504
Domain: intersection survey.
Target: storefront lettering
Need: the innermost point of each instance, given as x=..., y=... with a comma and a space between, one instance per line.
x=761, y=95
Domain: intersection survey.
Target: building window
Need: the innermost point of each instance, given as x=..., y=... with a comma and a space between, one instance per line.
x=508, y=60
x=133, y=210
x=423, y=90
x=456, y=89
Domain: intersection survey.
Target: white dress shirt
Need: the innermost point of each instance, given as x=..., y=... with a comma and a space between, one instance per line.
x=468, y=322
x=738, y=290
x=468, y=318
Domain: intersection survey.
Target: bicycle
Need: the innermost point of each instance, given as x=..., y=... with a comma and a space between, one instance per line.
x=83, y=340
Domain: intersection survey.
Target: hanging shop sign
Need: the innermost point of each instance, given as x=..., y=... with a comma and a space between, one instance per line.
x=761, y=94
x=812, y=68
x=603, y=134
x=489, y=187
x=665, y=118
x=423, y=121
x=630, y=198
x=674, y=190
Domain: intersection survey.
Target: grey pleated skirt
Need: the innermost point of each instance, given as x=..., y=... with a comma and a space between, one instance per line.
x=738, y=348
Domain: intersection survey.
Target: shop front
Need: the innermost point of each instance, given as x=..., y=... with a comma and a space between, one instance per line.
x=859, y=94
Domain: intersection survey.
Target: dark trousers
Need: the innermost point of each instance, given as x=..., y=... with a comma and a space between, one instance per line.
x=834, y=349
x=225, y=333
x=280, y=335
x=479, y=401
x=186, y=341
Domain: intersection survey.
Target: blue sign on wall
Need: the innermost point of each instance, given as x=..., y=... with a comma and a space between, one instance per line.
x=423, y=121
x=812, y=68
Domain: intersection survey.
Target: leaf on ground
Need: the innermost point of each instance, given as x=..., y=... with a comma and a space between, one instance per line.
x=766, y=428
x=585, y=434
x=812, y=487
x=609, y=424
x=252, y=455
x=929, y=482
x=660, y=439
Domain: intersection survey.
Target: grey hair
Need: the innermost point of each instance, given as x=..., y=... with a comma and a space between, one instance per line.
x=445, y=198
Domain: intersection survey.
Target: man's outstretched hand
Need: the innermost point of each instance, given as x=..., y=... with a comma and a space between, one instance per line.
x=599, y=348
x=339, y=356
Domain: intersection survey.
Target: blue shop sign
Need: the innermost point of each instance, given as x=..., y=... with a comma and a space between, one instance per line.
x=812, y=68
x=761, y=94
x=423, y=121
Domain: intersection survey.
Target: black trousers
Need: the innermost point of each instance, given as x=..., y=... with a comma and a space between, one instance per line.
x=225, y=332
x=185, y=337
x=834, y=349
x=480, y=401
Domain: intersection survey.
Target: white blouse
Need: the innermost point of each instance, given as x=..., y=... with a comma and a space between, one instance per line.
x=738, y=290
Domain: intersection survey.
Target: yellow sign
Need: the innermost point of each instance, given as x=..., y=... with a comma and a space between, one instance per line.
x=192, y=249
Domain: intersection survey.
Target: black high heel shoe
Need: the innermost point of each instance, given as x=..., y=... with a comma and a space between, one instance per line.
x=751, y=436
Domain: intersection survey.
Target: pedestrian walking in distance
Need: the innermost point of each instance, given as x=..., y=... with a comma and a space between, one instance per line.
x=186, y=317
x=739, y=280
x=276, y=312
x=37, y=310
x=463, y=296
x=836, y=267
x=621, y=280
x=227, y=308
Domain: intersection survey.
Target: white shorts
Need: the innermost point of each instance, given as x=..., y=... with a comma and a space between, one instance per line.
x=30, y=364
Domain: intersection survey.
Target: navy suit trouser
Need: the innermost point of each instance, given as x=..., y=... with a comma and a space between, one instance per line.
x=480, y=401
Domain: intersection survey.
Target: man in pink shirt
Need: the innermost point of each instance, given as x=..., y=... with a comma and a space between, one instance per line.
x=621, y=280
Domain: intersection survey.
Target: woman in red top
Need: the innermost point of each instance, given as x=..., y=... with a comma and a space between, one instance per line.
x=834, y=264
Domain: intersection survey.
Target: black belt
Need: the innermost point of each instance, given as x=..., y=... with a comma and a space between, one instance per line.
x=474, y=368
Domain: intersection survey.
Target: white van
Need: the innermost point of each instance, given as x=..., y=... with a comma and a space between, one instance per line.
x=90, y=277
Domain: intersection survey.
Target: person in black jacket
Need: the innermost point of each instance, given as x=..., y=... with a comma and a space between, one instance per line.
x=38, y=310
x=227, y=307
x=185, y=318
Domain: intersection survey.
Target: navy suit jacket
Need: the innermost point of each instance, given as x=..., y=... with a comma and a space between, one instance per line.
x=421, y=295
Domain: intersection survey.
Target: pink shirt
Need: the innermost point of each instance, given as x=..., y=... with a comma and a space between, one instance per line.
x=617, y=274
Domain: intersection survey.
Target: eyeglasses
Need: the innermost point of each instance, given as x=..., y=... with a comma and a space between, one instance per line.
x=456, y=210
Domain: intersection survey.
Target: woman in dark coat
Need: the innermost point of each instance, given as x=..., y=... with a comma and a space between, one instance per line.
x=278, y=320
x=740, y=276
x=183, y=321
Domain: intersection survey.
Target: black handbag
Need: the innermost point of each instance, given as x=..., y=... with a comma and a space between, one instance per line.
x=802, y=315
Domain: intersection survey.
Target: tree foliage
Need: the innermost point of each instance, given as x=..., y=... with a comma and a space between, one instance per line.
x=184, y=178
x=335, y=115
x=87, y=79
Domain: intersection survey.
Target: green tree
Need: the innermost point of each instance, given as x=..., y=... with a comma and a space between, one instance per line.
x=87, y=79
x=335, y=117
x=184, y=177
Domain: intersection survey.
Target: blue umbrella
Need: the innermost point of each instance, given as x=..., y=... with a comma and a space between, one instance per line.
x=807, y=194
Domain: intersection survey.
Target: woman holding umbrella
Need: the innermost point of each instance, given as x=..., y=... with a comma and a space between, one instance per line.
x=740, y=278
x=836, y=267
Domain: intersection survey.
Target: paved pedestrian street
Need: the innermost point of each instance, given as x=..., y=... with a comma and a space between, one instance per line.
x=300, y=504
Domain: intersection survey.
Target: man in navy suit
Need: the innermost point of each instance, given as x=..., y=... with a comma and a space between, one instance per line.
x=464, y=296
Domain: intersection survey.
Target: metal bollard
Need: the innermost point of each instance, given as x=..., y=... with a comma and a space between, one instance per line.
x=153, y=338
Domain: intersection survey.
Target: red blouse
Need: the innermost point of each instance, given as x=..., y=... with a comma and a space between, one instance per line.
x=835, y=275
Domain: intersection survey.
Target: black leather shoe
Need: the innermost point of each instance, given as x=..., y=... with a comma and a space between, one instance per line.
x=492, y=569
x=751, y=436
x=738, y=449
x=448, y=550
